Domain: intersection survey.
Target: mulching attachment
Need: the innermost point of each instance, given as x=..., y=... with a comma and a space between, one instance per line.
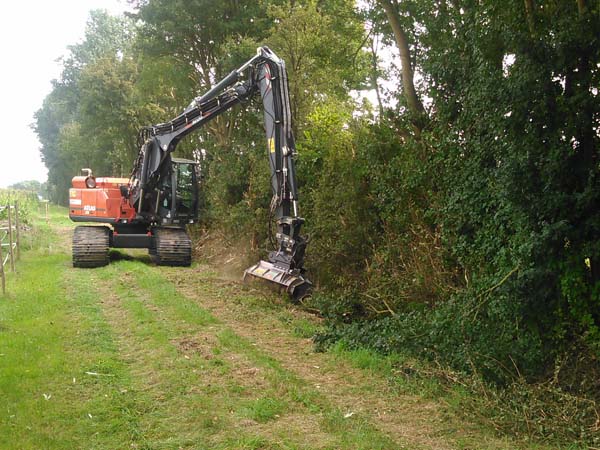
x=90, y=246
x=173, y=247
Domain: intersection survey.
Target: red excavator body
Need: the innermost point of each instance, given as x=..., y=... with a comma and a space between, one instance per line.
x=99, y=200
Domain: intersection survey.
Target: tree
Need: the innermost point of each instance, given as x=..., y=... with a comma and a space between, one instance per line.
x=199, y=36
x=319, y=72
x=66, y=145
x=412, y=99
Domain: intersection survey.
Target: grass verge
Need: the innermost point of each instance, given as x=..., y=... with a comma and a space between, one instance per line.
x=62, y=383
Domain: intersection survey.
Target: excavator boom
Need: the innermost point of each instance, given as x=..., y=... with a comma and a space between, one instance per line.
x=264, y=74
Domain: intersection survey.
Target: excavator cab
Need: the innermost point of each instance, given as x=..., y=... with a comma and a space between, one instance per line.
x=178, y=203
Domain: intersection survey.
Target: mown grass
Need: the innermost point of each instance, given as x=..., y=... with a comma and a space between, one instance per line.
x=403, y=376
x=283, y=393
x=60, y=376
x=118, y=357
x=98, y=359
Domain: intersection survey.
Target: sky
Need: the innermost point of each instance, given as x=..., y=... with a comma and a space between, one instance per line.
x=33, y=35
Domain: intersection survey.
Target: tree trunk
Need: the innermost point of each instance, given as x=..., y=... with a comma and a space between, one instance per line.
x=529, y=13
x=585, y=83
x=412, y=99
x=374, y=76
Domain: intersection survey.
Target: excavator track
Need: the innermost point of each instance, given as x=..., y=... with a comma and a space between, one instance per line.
x=173, y=247
x=90, y=246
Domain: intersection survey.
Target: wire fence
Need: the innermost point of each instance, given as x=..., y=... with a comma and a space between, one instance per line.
x=10, y=249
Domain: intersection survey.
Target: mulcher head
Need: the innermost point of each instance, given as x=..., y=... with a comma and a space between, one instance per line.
x=292, y=280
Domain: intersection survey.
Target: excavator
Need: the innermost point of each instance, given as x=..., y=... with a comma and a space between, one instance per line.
x=152, y=208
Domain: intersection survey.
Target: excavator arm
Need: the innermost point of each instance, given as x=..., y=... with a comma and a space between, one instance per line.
x=264, y=74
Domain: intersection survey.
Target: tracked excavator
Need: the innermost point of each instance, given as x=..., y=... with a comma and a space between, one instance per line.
x=152, y=208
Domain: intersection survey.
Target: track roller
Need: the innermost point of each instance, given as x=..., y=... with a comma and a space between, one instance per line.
x=90, y=246
x=173, y=247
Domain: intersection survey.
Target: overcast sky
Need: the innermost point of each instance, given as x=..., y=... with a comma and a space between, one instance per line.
x=33, y=34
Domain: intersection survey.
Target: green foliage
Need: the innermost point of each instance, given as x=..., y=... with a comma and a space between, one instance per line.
x=236, y=174
x=527, y=180
x=27, y=202
x=31, y=186
x=302, y=34
x=489, y=233
x=340, y=217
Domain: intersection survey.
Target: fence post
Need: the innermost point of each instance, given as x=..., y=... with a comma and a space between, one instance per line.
x=2, y=269
x=18, y=241
x=10, y=241
x=47, y=221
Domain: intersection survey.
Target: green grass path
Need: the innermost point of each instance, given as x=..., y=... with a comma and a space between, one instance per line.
x=140, y=357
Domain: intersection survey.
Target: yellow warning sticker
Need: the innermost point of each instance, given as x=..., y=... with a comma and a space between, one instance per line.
x=272, y=145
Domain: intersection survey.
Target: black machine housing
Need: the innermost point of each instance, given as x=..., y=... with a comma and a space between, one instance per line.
x=173, y=203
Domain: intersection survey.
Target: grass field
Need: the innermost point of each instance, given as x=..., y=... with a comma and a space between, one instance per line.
x=141, y=357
